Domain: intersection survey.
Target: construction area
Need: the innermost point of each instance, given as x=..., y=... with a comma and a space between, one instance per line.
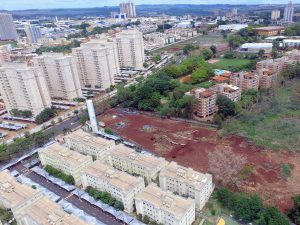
x=233, y=161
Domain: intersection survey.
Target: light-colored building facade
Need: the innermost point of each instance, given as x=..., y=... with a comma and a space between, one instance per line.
x=33, y=33
x=269, y=31
x=128, y=8
x=275, y=15
x=187, y=182
x=127, y=159
x=68, y=161
x=7, y=27
x=61, y=74
x=14, y=195
x=98, y=63
x=24, y=88
x=46, y=212
x=130, y=45
x=119, y=184
x=288, y=12
x=230, y=91
x=164, y=207
x=4, y=54
x=206, y=106
x=87, y=144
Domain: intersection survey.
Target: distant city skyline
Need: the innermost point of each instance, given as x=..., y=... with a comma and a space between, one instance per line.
x=52, y=4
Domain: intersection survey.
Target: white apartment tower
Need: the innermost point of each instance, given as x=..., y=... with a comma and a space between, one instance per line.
x=7, y=27
x=24, y=88
x=288, y=12
x=61, y=74
x=275, y=14
x=33, y=33
x=131, y=49
x=97, y=63
x=128, y=8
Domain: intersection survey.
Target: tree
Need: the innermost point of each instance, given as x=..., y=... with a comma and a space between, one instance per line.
x=108, y=130
x=188, y=48
x=294, y=213
x=272, y=216
x=226, y=107
x=224, y=196
x=213, y=48
x=207, y=54
x=118, y=205
x=45, y=115
x=261, y=52
x=156, y=58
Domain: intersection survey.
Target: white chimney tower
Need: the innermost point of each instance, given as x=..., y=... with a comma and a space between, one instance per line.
x=92, y=115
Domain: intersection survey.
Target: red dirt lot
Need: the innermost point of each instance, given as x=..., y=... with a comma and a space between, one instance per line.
x=233, y=161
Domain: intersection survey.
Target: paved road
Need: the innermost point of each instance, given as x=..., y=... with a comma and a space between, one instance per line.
x=92, y=210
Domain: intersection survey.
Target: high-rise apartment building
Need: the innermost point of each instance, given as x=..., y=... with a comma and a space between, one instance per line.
x=275, y=15
x=24, y=88
x=234, y=11
x=128, y=8
x=186, y=182
x=127, y=159
x=87, y=144
x=61, y=74
x=119, y=184
x=98, y=63
x=164, y=207
x=206, y=105
x=33, y=33
x=131, y=49
x=68, y=161
x=288, y=12
x=7, y=27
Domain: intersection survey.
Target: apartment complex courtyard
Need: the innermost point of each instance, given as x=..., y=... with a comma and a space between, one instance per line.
x=233, y=161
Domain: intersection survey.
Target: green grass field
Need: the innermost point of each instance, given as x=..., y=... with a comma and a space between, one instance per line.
x=233, y=64
x=13, y=43
x=273, y=123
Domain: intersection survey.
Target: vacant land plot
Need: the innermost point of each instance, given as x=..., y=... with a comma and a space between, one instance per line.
x=213, y=38
x=274, y=122
x=233, y=64
x=233, y=161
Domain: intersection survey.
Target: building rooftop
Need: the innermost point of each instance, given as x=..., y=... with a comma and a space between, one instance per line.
x=201, y=92
x=220, y=78
x=14, y=192
x=129, y=154
x=269, y=28
x=186, y=175
x=117, y=178
x=45, y=212
x=165, y=200
x=65, y=155
x=89, y=139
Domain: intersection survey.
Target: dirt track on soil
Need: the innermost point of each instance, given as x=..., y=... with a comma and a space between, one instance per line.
x=197, y=147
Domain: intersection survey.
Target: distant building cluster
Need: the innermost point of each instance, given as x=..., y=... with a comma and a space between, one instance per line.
x=231, y=85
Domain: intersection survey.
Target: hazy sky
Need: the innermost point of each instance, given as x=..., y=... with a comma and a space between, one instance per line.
x=43, y=4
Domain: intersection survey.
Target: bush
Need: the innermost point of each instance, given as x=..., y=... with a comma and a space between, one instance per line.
x=286, y=170
x=21, y=113
x=105, y=197
x=108, y=130
x=45, y=115
x=59, y=174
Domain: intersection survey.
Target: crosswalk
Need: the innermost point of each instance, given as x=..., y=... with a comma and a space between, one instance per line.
x=69, y=196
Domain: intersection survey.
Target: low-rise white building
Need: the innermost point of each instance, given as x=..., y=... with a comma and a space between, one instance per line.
x=68, y=161
x=88, y=144
x=119, y=184
x=127, y=159
x=165, y=207
x=256, y=47
x=187, y=182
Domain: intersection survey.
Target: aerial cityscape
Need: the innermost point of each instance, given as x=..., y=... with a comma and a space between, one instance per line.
x=131, y=112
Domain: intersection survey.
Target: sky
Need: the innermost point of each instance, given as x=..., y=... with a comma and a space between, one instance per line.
x=48, y=4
